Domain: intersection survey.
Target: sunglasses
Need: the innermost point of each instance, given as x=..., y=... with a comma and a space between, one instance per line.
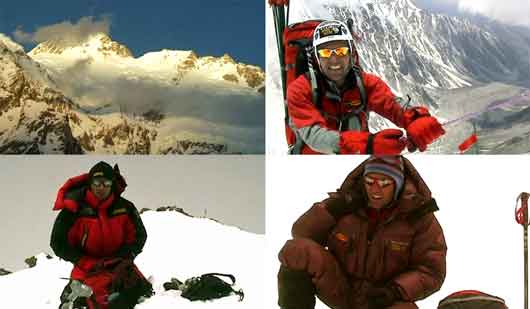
x=327, y=52
x=381, y=183
x=102, y=182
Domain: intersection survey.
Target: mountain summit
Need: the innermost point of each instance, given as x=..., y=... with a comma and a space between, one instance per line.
x=96, y=45
x=164, y=102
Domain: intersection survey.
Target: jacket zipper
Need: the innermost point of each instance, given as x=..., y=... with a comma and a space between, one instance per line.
x=84, y=237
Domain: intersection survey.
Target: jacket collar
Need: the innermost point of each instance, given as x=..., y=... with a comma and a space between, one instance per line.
x=414, y=195
x=95, y=203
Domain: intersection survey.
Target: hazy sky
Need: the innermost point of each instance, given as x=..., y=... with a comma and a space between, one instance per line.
x=514, y=12
x=209, y=27
x=230, y=188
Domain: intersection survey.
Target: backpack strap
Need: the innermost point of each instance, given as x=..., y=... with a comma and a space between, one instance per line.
x=364, y=100
x=232, y=278
x=360, y=84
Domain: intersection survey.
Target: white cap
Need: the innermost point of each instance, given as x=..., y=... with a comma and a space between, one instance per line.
x=332, y=30
x=328, y=31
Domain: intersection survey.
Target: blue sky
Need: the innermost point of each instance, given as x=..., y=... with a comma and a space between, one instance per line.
x=210, y=27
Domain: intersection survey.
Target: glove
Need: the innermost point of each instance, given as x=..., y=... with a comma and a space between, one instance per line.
x=124, y=275
x=385, y=142
x=422, y=128
x=382, y=297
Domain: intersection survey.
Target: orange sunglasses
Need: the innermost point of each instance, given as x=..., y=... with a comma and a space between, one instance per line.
x=327, y=52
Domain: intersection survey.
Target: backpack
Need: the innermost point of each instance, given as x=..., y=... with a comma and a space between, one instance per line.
x=471, y=299
x=206, y=287
x=299, y=59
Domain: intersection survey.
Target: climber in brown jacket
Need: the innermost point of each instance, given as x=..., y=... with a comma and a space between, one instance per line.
x=375, y=243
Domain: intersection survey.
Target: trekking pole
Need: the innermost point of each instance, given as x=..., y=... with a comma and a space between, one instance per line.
x=280, y=22
x=521, y=216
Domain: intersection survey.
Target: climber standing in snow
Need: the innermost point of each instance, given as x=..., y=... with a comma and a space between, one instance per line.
x=336, y=120
x=101, y=233
x=373, y=244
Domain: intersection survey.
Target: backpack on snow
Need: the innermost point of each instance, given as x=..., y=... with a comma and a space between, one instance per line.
x=471, y=299
x=297, y=42
x=206, y=287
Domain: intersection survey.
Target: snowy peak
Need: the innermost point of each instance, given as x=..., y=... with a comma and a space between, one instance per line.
x=7, y=43
x=99, y=44
x=180, y=60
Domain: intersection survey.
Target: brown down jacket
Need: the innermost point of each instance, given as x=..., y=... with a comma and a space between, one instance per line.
x=407, y=249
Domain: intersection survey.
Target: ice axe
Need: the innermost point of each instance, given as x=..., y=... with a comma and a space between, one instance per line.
x=521, y=216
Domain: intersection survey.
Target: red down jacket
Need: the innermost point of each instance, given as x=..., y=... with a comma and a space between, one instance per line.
x=312, y=123
x=88, y=232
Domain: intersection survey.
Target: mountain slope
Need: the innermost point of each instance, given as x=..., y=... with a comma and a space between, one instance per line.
x=177, y=246
x=163, y=102
x=419, y=52
x=33, y=112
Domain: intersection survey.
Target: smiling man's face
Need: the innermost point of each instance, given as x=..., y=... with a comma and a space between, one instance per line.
x=335, y=67
x=379, y=189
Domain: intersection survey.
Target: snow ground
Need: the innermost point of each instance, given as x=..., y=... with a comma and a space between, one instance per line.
x=177, y=246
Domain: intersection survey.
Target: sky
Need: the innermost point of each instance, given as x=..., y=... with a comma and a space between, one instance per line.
x=476, y=196
x=229, y=188
x=209, y=27
x=513, y=12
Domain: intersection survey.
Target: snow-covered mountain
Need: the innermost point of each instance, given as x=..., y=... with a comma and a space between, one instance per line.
x=177, y=246
x=427, y=56
x=421, y=53
x=162, y=102
x=447, y=63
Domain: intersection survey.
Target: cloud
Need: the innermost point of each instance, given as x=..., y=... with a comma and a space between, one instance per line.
x=69, y=34
x=515, y=12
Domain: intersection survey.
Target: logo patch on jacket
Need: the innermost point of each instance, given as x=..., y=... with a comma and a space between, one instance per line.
x=398, y=245
x=353, y=104
x=341, y=237
x=118, y=211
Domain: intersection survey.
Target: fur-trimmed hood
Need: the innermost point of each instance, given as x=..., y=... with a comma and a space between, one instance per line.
x=414, y=194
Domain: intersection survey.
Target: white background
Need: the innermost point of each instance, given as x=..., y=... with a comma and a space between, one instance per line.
x=476, y=196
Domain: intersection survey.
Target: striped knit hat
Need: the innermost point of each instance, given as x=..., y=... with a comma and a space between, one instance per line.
x=391, y=166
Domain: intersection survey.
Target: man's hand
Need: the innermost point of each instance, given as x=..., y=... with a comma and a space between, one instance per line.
x=422, y=128
x=385, y=142
x=303, y=254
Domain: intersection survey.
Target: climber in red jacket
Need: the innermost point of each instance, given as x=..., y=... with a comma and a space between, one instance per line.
x=339, y=122
x=101, y=233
